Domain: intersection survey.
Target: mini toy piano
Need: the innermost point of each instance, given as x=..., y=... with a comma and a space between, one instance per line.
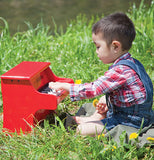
x=27, y=100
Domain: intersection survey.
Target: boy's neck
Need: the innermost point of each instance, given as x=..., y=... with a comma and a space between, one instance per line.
x=120, y=57
x=122, y=53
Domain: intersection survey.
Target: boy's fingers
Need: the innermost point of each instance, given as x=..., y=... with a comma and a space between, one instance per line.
x=101, y=105
x=102, y=108
x=50, y=84
x=53, y=85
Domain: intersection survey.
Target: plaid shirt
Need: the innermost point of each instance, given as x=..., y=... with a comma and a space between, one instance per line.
x=123, y=84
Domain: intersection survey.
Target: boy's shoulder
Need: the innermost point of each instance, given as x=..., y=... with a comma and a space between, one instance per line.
x=132, y=63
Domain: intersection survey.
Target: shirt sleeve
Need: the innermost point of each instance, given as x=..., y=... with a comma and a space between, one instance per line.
x=112, y=79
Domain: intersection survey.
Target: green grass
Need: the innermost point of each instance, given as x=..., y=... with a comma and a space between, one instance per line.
x=72, y=54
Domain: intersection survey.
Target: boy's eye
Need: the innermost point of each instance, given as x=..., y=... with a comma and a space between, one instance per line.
x=97, y=47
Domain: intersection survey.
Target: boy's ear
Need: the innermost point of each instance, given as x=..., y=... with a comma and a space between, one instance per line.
x=116, y=45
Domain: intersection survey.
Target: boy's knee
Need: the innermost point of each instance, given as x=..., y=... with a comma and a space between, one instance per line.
x=81, y=129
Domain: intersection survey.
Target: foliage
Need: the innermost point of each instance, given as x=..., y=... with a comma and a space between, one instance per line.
x=72, y=54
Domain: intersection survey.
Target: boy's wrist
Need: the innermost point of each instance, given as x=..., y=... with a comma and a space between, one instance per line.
x=67, y=86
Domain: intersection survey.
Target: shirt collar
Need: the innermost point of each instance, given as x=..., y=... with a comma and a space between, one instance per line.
x=124, y=56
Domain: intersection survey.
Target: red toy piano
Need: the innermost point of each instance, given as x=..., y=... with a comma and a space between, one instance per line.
x=27, y=100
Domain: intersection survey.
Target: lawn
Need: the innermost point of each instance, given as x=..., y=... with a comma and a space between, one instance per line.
x=72, y=55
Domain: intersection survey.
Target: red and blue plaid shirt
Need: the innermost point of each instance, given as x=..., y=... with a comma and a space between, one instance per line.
x=122, y=82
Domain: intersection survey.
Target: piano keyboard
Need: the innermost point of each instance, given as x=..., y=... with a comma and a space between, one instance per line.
x=51, y=91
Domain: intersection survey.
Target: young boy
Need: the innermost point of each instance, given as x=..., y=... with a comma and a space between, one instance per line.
x=127, y=87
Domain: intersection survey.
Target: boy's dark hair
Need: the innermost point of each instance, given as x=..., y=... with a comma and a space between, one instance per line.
x=118, y=27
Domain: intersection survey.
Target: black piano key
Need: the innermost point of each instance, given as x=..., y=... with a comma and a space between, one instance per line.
x=47, y=90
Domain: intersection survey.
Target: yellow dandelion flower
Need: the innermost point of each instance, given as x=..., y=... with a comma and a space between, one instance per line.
x=150, y=139
x=101, y=135
x=95, y=101
x=78, y=81
x=133, y=136
x=98, y=136
x=61, y=43
x=114, y=147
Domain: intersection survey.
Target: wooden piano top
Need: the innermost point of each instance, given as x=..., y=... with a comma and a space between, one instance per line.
x=25, y=70
x=36, y=74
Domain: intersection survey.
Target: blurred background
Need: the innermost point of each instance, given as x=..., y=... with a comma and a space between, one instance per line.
x=17, y=12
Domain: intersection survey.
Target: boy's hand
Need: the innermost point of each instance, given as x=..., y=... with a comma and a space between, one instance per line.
x=102, y=108
x=101, y=105
x=60, y=86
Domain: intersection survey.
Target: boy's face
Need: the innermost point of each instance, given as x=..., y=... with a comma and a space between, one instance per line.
x=107, y=54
